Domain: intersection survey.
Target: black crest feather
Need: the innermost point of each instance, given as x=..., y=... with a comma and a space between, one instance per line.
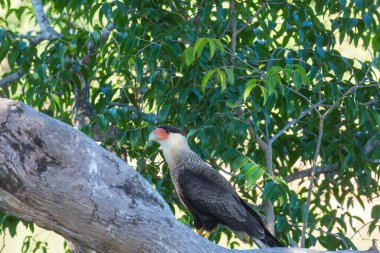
x=172, y=129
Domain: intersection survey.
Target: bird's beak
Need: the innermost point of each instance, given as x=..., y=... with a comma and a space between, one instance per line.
x=152, y=137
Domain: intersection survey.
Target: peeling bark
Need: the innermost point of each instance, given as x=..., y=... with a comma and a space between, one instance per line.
x=55, y=176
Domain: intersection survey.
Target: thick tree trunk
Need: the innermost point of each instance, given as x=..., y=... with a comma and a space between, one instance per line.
x=55, y=176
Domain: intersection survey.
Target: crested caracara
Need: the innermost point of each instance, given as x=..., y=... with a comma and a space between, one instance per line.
x=207, y=195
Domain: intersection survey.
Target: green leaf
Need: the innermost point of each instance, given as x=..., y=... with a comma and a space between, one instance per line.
x=371, y=227
x=229, y=154
x=206, y=78
x=376, y=42
x=102, y=122
x=219, y=45
x=297, y=79
x=56, y=100
x=201, y=42
x=232, y=104
x=230, y=75
x=271, y=85
x=248, y=87
x=134, y=136
x=164, y=113
x=321, y=52
x=274, y=70
x=239, y=162
x=95, y=37
x=367, y=20
x=211, y=43
x=375, y=116
x=189, y=55
x=264, y=93
x=222, y=79
x=252, y=172
x=138, y=68
x=375, y=212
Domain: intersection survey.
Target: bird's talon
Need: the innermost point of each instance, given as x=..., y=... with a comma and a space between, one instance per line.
x=207, y=234
x=200, y=231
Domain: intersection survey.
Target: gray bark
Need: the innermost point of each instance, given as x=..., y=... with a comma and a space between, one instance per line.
x=55, y=176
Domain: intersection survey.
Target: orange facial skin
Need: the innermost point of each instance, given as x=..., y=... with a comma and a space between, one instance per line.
x=161, y=134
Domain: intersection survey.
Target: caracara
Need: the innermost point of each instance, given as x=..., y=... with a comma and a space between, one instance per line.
x=207, y=195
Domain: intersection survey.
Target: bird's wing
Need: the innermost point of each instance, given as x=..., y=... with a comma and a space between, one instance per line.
x=212, y=199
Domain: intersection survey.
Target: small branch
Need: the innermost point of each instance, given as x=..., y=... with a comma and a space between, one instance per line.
x=363, y=226
x=251, y=19
x=267, y=204
x=106, y=32
x=349, y=91
x=11, y=78
x=287, y=126
x=312, y=177
x=252, y=132
x=197, y=17
x=178, y=11
x=306, y=99
x=324, y=169
x=233, y=31
x=3, y=238
x=371, y=144
x=216, y=165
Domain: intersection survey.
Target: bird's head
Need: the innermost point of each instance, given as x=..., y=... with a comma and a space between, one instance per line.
x=172, y=140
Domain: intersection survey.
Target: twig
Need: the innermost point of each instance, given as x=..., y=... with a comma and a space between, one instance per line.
x=2, y=247
x=178, y=11
x=349, y=91
x=305, y=98
x=324, y=169
x=216, y=165
x=287, y=126
x=363, y=226
x=312, y=177
x=233, y=31
x=252, y=132
x=251, y=19
x=197, y=16
x=329, y=233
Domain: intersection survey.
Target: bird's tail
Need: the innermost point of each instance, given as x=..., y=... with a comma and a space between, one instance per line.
x=270, y=241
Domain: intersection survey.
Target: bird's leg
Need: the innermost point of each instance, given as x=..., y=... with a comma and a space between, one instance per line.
x=200, y=231
x=207, y=234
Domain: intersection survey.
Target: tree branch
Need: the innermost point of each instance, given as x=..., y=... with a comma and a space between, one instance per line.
x=312, y=177
x=233, y=31
x=43, y=21
x=287, y=126
x=58, y=178
x=349, y=91
x=324, y=169
x=251, y=19
x=11, y=78
x=252, y=132
x=318, y=146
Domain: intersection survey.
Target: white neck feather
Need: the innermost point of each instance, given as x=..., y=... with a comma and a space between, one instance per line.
x=175, y=145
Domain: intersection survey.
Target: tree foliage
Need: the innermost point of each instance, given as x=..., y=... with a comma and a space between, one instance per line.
x=250, y=80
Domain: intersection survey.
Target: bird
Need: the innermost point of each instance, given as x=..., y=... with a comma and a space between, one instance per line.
x=206, y=194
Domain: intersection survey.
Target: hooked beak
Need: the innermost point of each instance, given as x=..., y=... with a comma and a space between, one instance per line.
x=152, y=137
